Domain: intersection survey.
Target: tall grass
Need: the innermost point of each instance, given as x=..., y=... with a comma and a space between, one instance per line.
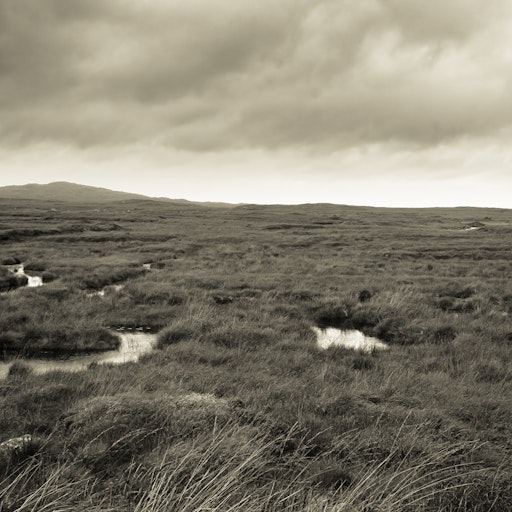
x=234, y=294
x=234, y=469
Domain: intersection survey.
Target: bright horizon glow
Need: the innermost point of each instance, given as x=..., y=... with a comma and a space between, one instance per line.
x=281, y=178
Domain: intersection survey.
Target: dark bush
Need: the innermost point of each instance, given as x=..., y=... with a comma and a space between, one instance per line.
x=392, y=330
x=364, y=296
x=48, y=277
x=446, y=304
x=334, y=315
x=11, y=261
x=35, y=267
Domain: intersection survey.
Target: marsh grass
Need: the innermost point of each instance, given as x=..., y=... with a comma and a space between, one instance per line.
x=423, y=426
x=235, y=467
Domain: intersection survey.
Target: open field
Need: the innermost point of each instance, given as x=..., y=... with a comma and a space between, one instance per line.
x=238, y=409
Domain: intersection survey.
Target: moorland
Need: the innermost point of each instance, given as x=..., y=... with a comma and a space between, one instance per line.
x=237, y=408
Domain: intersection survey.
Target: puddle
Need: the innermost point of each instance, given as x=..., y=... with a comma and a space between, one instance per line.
x=19, y=270
x=133, y=346
x=355, y=340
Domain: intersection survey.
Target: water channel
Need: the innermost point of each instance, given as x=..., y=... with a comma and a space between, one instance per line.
x=133, y=346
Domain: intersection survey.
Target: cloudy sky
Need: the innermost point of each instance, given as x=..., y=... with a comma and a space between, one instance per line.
x=377, y=102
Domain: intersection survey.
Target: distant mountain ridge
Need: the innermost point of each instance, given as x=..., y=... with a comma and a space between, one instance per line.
x=75, y=193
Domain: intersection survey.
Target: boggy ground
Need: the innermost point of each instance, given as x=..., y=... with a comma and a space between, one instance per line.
x=238, y=409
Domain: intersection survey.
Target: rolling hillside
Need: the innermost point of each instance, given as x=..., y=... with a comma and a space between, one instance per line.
x=75, y=193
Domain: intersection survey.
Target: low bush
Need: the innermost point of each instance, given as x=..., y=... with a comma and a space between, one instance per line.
x=35, y=266
x=48, y=277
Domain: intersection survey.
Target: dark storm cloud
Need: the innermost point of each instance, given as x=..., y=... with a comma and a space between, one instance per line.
x=217, y=74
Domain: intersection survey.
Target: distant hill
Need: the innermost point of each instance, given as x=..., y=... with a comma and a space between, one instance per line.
x=74, y=193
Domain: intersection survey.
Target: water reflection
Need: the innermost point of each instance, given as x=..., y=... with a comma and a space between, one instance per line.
x=352, y=339
x=19, y=270
x=133, y=346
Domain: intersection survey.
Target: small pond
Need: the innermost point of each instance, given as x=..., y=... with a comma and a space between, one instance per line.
x=352, y=339
x=133, y=345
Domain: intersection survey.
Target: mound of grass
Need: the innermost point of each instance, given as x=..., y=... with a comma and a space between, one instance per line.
x=111, y=430
x=10, y=281
x=177, y=332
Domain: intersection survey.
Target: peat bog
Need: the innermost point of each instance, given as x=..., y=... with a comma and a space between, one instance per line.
x=235, y=406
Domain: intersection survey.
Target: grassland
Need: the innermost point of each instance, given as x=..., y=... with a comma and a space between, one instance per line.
x=238, y=409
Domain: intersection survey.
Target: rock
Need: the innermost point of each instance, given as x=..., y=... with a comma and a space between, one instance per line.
x=16, y=449
x=16, y=444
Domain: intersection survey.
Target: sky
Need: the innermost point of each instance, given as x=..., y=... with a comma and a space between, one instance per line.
x=368, y=102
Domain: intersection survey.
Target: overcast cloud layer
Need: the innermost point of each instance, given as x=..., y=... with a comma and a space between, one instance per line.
x=287, y=92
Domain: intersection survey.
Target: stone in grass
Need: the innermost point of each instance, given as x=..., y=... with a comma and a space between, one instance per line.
x=17, y=449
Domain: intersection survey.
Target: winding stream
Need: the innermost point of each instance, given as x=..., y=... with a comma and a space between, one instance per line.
x=133, y=346
x=19, y=270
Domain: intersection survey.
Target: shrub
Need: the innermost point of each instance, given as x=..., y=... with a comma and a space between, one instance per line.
x=334, y=315
x=48, y=277
x=35, y=266
x=11, y=261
